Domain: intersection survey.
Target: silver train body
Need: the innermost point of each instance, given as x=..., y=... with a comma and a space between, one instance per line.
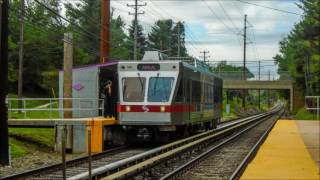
x=168, y=95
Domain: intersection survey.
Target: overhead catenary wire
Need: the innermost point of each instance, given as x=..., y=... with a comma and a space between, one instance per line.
x=271, y=8
x=72, y=23
x=77, y=45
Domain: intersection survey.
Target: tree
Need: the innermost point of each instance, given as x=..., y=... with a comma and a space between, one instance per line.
x=43, y=34
x=300, y=50
x=119, y=40
x=161, y=35
x=86, y=14
x=141, y=40
x=178, y=39
x=229, y=71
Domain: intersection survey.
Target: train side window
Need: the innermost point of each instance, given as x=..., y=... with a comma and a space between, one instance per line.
x=196, y=91
x=187, y=89
x=179, y=96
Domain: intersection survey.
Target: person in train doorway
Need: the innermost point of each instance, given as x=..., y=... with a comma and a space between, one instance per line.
x=108, y=100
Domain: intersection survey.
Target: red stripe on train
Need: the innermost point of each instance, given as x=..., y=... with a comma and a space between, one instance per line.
x=156, y=108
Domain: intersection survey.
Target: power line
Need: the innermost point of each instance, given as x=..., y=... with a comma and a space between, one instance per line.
x=72, y=23
x=267, y=7
x=212, y=11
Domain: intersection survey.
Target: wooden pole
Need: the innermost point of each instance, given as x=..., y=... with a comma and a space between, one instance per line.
x=67, y=74
x=67, y=85
x=20, y=80
x=105, y=31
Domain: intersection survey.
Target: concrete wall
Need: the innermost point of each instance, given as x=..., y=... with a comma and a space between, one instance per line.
x=85, y=84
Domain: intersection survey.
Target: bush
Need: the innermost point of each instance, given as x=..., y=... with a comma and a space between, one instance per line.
x=303, y=114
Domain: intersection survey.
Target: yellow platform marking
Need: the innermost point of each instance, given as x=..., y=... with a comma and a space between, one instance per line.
x=283, y=156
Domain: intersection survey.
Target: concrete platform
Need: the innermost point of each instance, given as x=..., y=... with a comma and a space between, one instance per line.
x=284, y=154
x=310, y=132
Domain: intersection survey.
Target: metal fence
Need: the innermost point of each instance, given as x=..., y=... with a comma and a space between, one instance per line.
x=312, y=104
x=263, y=76
x=53, y=107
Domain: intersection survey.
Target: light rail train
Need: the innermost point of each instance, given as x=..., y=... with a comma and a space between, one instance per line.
x=158, y=98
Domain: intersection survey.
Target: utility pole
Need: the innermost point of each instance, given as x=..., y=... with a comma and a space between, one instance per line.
x=136, y=13
x=244, y=46
x=105, y=31
x=67, y=84
x=179, y=39
x=204, y=52
x=20, y=80
x=244, y=59
x=259, y=89
x=4, y=139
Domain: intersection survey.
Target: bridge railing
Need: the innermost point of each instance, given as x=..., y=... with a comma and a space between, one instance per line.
x=263, y=76
x=51, y=108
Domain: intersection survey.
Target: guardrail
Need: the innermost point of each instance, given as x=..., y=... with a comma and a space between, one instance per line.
x=312, y=103
x=53, y=106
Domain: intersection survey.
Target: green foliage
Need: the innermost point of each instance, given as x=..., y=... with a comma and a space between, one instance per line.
x=120, y=48
x=303, y=114
x=141, y=45
x=230, y=71
x=300, y=50
x=164, y=36
x=43, y=40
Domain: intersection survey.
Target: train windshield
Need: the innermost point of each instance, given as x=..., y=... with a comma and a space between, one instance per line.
x=160, y=89
x=133, y=89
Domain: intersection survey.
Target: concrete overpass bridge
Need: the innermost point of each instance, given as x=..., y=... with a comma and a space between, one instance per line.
x=266, y=81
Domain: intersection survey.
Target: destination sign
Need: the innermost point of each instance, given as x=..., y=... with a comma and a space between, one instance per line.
x=148, y=67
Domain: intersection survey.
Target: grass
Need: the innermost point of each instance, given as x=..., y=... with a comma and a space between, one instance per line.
x=34, y=115
x=303, y=114
x=17, y=148
x=43, y=136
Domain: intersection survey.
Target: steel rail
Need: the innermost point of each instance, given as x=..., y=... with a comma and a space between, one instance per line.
x=148, y=164
x=251, y=153
x=183, y=168
x=58, y=166
x=122, y=165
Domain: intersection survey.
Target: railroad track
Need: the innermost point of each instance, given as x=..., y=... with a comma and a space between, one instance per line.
x=143, y=165
x=225, y=159
x=78, y=165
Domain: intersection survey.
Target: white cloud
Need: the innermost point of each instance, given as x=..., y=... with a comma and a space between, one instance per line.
x=208, y=32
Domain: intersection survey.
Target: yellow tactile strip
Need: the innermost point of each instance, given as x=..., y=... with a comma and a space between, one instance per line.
x=283, y=156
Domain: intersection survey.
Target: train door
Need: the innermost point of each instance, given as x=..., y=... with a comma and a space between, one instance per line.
x=109, y=73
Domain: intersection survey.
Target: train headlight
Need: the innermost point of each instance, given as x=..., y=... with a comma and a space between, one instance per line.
x=128, y=108
x=162, y=108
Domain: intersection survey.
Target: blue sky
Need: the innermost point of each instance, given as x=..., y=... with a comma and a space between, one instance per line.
x=216, y=25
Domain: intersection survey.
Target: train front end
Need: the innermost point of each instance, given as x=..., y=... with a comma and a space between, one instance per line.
x=146, y=93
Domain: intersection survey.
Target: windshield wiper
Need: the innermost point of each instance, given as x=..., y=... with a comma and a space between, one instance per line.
x=141, y=83
x=155, y=84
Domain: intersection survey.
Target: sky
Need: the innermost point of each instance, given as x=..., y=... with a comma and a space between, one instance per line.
x=217, y=25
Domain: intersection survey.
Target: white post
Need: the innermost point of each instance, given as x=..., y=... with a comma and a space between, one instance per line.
x=318, y=107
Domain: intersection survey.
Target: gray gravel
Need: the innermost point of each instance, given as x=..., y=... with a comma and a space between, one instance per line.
x=222, y=163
